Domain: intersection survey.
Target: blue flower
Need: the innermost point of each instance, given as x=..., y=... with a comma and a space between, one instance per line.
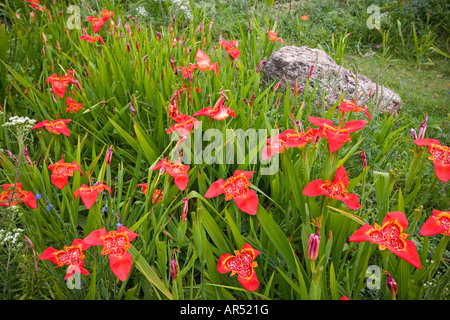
x=118, y=225
x=49, y=207
x=38, y=196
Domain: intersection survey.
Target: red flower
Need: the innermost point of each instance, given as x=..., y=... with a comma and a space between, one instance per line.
x=73, y=106
x=187, y=72
x=352, y=106
x=175, y=169
x=16, y=196
x=61, y=172
x=241, y=264
x=219, y=112
x=59, y=84
x=236, y=188
x=440, y=155
x=231, y=47
x=107, y=14
x=33, y=3
x=287, y=139
x=56, y=126
x=97, y=23
x=116, y=245
x=204, y=63
x=273, y=37
x=390, y=236
x=438, y=223
x=184, y=124
x=91, y=39
x=336, y=136
x=304, y=18
x=89, y=194
x=157, y=194
x=72, y=256
x=336, y=189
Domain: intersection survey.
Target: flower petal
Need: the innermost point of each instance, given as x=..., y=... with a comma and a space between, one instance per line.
x=314, y=188
x=215, y=189
x=251, y=283
x=248, y=203
x=221, y=264
x=95, y=238
x=121, y=266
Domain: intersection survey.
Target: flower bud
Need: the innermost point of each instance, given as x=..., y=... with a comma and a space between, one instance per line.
x=413, y=134
x=423, y=128
x=27, y=157
x=173, y=269
x=313, y=246
x=364, y=159
x=185, y=209
x=392, y=285
x=277, y=86
x=252, y=99
x=260, y=65
x=108, y=156
x=9, y=153
x=310, y=72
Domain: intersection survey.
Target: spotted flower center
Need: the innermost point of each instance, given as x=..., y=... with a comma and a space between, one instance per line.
x=70, y=256
x=60, y=82
x=277, y=143
x=334, y=129
x=116, y=244
x=242, y=263
x=334, y=190
x=64, y=169
x=389, y=236
x=97, y=188
x=444, y=220
x=176, y=169
x=236, y=187
x=440, y=154
x=17, y=195
x=203, y=65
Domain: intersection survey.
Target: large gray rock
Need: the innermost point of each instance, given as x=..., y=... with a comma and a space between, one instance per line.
x=294, y=63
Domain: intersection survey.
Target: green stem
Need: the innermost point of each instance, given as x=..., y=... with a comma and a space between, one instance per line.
x=330, y=166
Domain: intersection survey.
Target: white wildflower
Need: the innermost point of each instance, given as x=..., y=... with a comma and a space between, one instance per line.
x=141, y=11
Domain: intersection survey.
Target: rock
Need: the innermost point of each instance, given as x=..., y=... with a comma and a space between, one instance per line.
x=294, y=63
